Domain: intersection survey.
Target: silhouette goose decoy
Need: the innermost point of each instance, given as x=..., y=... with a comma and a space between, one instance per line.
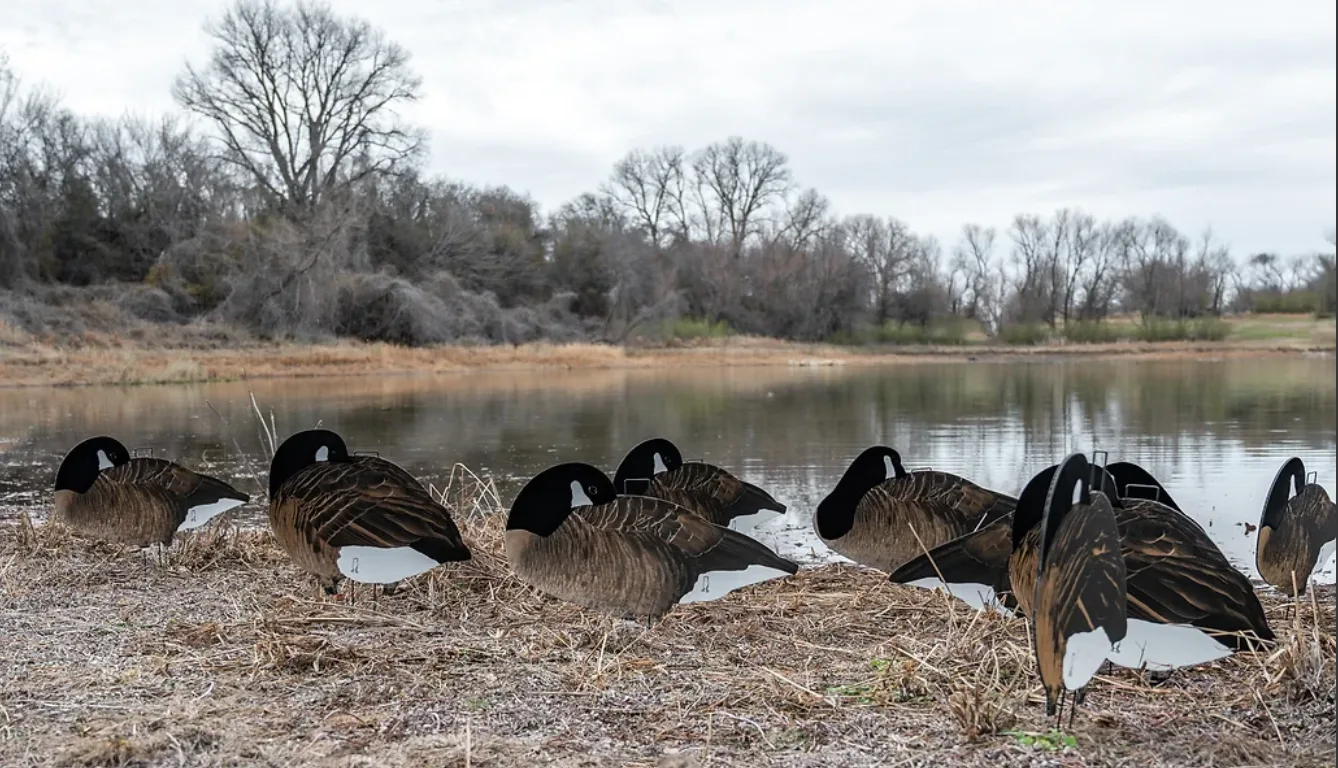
x=571, y=535
x=879, y=515
x=1297, y=530
x=1186, y=603
x=655, y=468
x=103, y=492
x=1079, y=609
x=358, y=517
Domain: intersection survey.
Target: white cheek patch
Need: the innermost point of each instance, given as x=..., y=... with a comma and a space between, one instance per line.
x=717, y=584
x=1325, y=565
x=103, y=461
x=323, y=453
x=200, y=514
x=1167, y=646
x=578, y=497
x=659, y=464
x=745, y=523
x=978, y=596
x=888, y=470
x=380, y=565
x=1084, y=653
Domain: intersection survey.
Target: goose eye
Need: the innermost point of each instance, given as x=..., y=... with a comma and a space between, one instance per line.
x=590, y=489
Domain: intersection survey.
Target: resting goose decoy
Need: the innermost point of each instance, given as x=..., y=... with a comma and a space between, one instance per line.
x=1186, y=603
x=1296, y=532
x=1079, y=606
x=571, y=535
x=656, y=468
x=881, y=516
x=102, y=492
x=357, y=517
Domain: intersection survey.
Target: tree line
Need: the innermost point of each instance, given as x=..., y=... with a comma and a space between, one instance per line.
x=288, y=197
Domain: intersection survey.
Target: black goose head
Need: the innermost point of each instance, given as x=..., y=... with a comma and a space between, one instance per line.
x=1072, y=474
x=301, y=450
x=1127, y=473
x=1289, y=481
x=647, y=459
x=836, y=513
x=550, y=496
x=82, y=464
x=1031, y=503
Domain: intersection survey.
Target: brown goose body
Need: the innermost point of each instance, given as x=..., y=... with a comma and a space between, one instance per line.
x=139, y=501
x=629, y=556
x=1296, y=532
x=656, y=468
x=1176, y=575
x=1079, y=608
x=321, y=509
x=881, y=516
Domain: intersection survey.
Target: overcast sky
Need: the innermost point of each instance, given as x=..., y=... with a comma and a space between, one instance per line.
x=938, y=112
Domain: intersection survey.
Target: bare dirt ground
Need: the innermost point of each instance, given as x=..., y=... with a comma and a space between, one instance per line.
x=226, y=656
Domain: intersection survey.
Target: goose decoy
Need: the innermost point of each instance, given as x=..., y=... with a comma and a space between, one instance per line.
x=1186, y=603
x=656, y=468
x=571, y=535
x=1296, y=532
x=1079, y=609
x=363, y=518
x=103, y=492
x=881, y=516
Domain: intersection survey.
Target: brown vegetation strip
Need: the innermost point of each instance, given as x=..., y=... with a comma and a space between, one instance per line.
x=226, y=656
x=113, y=363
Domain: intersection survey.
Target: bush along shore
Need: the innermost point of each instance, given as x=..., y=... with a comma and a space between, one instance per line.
x=227, y=655
x=101, y=341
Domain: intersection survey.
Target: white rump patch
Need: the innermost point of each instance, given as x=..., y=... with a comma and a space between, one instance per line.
x=200, y=514
x=1167, y=646
x=578, y=497
x=889, y=470
x=978, y=596
x=1084, y=653
x=717, y=584
x=323, y=453
x=659, y=464
x=1326, y=566
x=379, y=565
x=103, y=461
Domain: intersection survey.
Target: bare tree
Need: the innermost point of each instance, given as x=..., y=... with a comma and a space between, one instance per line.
x=304, y=102
x=805, y=218
x=973, y=259
x=652, y=188
x=735, y=181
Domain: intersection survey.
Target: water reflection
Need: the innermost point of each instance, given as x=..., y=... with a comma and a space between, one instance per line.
x=1213, y=432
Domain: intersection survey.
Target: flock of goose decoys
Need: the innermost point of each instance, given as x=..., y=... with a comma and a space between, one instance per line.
x=1098, y=556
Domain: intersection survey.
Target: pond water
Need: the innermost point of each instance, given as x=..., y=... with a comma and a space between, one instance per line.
x=1213, y=432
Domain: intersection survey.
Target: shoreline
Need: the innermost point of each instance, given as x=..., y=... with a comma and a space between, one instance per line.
x=136, y=364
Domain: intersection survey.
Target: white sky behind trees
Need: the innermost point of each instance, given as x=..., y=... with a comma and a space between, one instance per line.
x=939, y=112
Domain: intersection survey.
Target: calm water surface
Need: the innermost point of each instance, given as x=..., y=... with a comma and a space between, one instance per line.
x=1214, y=433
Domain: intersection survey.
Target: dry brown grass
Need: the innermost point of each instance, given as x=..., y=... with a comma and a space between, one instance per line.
x=227, y=656
x=117, y=361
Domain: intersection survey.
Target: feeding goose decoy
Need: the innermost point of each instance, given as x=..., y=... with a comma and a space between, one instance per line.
x=102, y=491
x=655, y=468
x=1079, y=609
x=1297, y=530
x=881, y=516
x=358, y=517
x=570, y=534
x=1186, y=603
